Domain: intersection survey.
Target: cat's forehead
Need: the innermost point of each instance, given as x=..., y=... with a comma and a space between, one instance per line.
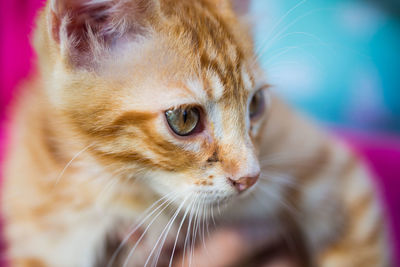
x=216, y=46
x=195, y=53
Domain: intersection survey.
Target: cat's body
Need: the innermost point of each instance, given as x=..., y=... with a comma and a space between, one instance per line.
x=90, y=150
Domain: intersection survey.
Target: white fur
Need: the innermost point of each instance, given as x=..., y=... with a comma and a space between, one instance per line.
x=217, y=87
x=248, y=85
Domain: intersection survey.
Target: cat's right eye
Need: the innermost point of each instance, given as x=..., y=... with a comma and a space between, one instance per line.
x=183, y=121
x=257, y=105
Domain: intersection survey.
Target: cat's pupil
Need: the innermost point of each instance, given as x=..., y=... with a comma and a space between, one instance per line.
x=184, y=116
x=183, y=121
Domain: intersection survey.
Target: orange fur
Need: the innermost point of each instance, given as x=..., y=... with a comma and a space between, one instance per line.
x=90, y=146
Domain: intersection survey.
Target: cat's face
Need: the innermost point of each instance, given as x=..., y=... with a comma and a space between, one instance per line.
x=174, y=100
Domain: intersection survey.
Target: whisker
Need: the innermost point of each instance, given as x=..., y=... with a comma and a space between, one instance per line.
x=164, y=233
x=145, y=231
x=70, y=162
x=188, y=231
x=277, y=197
x=213, y=217
x=278, y=35
x=283, y=179
x=302, y=159
x=107, y=188
x=279, y=52
x=276, y=25
x=218, y=206
x=281, y=231
x=270, y=64
x=204, y=219
x=205, y=227
x=165, y=199
x=177, y=235
x=194, y=232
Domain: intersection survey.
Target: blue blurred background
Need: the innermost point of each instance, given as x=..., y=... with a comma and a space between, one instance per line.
x=337, y=60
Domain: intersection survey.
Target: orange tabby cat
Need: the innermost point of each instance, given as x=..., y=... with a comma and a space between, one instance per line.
x=161, y=104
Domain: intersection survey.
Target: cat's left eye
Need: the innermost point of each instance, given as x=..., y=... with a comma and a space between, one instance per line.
x=183, y=121
x=257, y=105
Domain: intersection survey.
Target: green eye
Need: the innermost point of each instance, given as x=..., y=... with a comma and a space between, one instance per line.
x=257, y=105
x=183, y=121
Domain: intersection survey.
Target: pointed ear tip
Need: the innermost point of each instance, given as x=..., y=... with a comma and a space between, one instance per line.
x=54, y=26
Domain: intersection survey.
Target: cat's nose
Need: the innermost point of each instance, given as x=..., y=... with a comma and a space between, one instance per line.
x=244, y=183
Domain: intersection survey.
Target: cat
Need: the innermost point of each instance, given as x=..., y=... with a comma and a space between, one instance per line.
x=148, y=116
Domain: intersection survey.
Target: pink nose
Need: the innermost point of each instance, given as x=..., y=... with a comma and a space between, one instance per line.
x=244, y=183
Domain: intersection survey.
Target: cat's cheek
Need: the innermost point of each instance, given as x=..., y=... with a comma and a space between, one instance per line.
x=172, y=184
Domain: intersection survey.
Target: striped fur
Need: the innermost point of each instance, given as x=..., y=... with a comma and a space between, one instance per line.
x=91, y=150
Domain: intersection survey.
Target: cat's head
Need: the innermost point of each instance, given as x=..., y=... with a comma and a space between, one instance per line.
x=165, y=91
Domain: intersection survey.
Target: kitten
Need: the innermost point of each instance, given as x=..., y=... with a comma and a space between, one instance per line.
x=161, y=104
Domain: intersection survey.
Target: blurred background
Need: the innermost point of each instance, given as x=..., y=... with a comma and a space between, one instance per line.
x=337, y=61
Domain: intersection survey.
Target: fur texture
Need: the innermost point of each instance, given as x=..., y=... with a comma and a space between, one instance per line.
x=91, y=149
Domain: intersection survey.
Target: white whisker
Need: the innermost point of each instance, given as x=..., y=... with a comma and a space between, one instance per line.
x=188, y=231
x=280, y=200
x=165, y=199
x=177, y=235
x=107, y=188
x=194, y=231
x=275, y=26
x=70, y=162
x=145, y=231
x=164, y=233
x=281, y=33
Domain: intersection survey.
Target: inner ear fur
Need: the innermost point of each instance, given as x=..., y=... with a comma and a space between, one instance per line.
x=85, y=29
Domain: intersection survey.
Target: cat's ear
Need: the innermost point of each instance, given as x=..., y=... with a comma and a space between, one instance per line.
x=83, y=29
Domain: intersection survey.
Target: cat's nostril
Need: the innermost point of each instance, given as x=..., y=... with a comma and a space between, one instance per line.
x=243, y=183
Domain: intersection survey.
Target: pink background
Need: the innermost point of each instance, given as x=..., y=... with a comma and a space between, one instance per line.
x=16, y=60
x=16, y=57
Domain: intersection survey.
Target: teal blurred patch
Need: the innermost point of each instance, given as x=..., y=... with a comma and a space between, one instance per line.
x=338, y=61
